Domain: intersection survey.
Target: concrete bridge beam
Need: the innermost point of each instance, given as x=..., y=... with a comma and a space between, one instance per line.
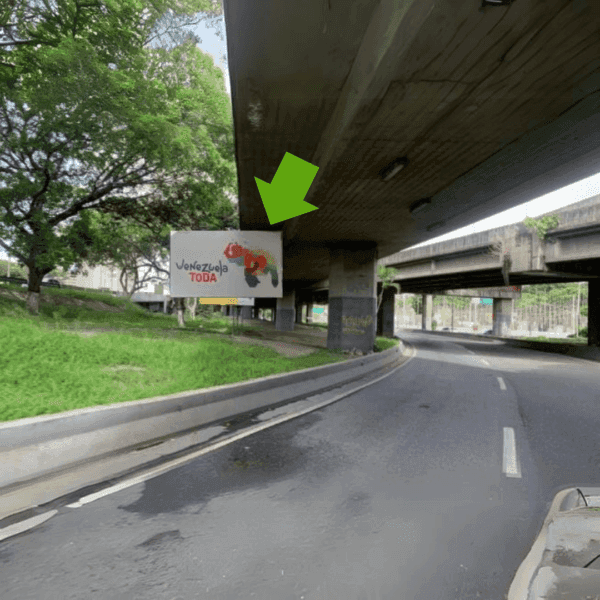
x=502, y=316
x=352, y=316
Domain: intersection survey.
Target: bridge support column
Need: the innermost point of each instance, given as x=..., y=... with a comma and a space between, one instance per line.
x=309, y=312
x=284, y=313
x=352, y=315
x=594, y=312
x=299, y=307
x=386, y=315
x=502, y=315
x=427, y=312
x=246, y=313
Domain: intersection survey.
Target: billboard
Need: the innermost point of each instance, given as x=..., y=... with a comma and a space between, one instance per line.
x=226, y=264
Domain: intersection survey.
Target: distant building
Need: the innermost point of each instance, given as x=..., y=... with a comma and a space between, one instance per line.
x=154, y=297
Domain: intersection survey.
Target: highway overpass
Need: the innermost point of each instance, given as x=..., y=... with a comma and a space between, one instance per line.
x=511, y=255
x=483, y=107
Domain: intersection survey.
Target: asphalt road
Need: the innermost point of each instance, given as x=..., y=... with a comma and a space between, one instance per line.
x=406, y=490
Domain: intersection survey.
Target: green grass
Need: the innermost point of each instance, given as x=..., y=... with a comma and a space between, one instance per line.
x=46, y=367
x=382, y=343
x=572, y=341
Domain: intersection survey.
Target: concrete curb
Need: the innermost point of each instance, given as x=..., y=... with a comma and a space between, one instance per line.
x=519, y=589
x=39, y=446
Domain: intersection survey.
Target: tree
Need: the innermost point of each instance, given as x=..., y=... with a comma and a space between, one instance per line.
x=387, y=276
x=91, y=118
x=542, y=225
x=416, y=302
x=131, y=249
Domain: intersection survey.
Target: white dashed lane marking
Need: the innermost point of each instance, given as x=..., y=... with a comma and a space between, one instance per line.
x=510, y=465
x=501, y=382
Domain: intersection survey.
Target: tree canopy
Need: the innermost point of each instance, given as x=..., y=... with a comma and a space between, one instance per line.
x=93, y=118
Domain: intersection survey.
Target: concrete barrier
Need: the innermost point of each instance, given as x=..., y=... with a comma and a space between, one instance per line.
x=38, y=446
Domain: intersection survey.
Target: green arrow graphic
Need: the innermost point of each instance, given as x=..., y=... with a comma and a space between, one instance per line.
x=284, y=196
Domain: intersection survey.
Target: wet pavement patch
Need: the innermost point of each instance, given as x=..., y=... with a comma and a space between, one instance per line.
x=159, y=538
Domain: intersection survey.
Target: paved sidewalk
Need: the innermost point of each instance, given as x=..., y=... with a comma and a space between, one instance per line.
x=300, y=342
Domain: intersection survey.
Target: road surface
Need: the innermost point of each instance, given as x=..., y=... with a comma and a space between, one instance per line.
x=429, y=485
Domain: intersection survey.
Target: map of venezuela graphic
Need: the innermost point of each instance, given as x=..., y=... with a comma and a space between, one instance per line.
x=256, y=263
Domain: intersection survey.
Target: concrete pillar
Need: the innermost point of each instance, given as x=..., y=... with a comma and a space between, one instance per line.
x=502, y=315
x=246, y=313
x=427, y=300
x=299, y=307
x=285, y=313
x=385, y=317
x=594, y=312
x=352, y=315
x=309, y=312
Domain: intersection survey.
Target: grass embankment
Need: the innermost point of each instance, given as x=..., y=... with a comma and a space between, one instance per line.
x=572, y=341
x=47, y=367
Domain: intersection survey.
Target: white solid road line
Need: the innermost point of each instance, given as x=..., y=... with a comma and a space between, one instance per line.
x=485, y=362
x=510, y=464
x=22, y=526
x=501, y=382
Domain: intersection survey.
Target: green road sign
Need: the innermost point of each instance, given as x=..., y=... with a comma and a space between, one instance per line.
x=284, y=196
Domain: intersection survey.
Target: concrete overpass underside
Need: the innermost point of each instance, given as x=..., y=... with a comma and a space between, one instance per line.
x=489, y=106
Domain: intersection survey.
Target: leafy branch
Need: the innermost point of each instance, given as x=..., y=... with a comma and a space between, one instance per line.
x=387, y=276
x=542, y=225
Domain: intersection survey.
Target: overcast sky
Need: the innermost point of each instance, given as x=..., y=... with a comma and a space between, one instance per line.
x=575, y=192
x=212, y=45
x=581, y=190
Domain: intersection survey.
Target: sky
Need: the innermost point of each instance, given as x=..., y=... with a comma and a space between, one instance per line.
x=576, y=192
x=211, y=44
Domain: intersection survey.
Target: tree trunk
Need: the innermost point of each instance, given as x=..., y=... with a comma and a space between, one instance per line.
x=179, y=303
x=193, y=306
x=33, y=290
